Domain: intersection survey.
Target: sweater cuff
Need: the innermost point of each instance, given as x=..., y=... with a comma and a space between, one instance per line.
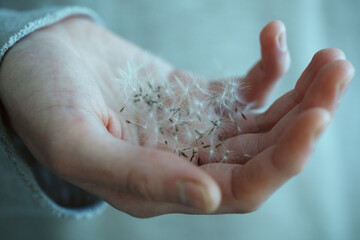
x=30, y=187
x=15, y=25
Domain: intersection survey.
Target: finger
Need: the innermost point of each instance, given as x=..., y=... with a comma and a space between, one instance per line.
x=275, y=61
x=241, y=148
x=265, y=121
x=325, y=92
x=261, y=176
x=92, y=156
x=252, y=183
x=138, y=207
x=329, y=86
x=283, y=105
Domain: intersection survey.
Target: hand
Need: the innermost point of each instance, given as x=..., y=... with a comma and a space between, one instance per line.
x=56, y=87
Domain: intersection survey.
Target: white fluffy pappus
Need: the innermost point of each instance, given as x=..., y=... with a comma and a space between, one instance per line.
x=185, y=116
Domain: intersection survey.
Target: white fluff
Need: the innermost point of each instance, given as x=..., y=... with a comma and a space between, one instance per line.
x=184, y=116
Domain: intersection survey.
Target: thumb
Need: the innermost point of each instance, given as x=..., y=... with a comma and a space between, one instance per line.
x=150, y=174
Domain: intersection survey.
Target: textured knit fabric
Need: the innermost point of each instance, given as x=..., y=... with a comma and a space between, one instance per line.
x=25, y=186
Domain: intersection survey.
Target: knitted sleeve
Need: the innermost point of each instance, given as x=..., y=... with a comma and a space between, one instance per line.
x=25, y=186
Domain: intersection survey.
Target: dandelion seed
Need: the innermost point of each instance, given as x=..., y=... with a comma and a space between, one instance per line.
x=200, y=134
x=183, y=123
x=211, y=130
x=188, y=148
x=216, y=123
x=149, y=84
x=192, y=155
x=170, y=108
x=183, y=154
x=247, y=155
x=243, y=115
x=175, y=110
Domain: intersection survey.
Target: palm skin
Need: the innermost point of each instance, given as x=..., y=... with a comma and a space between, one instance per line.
x=56, y=87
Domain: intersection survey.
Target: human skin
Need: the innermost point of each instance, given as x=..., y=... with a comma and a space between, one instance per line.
x=56, y=89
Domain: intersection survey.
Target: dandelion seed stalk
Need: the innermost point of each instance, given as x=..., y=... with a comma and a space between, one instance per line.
x=178, y=114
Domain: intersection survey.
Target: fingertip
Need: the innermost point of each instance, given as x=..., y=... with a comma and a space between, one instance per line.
x=338, y=73
x=334, y=63
x=346, y=72
x=349, y=69
x=274, y=50
x=321, y=59
x=172, y=179
x=322, y=120
x=274, y=63
x=330, y=84
x=214, y=198
x=329, y=54
x=281, y=35
x=274, y=36
x=205, y=196
x=295, y=146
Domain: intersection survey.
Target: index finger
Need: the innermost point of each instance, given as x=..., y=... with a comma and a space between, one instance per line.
x=246, y=187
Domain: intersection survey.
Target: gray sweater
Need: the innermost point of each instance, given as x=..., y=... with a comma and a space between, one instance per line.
x=25, y=186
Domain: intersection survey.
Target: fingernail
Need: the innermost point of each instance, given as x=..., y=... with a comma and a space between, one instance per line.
x=281, y=39
x=320, y=129
x=341, y=88
x=194, y=195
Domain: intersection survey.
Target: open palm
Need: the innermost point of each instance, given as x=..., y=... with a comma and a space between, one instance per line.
x=57, y=87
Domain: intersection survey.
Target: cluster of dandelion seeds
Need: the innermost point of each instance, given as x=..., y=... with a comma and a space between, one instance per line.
x=184, y=116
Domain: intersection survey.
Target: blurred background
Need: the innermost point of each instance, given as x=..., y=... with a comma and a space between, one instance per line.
x=216, y=38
